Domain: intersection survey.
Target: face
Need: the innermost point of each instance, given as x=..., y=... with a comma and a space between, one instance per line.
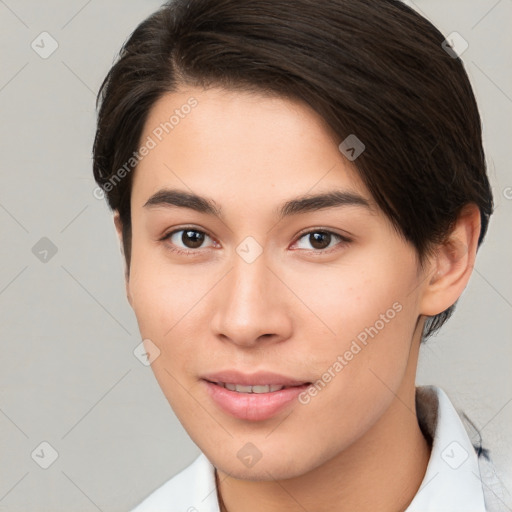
x=321, y=297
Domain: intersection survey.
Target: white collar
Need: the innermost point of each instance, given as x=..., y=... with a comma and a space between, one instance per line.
x=452, y=481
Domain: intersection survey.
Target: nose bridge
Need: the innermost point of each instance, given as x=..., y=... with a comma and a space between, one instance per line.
x=249, y=306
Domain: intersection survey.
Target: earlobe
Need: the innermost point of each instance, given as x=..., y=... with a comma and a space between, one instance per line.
x=452, y=264
x=119, y=227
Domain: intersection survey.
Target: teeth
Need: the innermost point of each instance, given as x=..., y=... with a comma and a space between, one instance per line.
x=243, y=389
x=251, y=389
x=260, y=389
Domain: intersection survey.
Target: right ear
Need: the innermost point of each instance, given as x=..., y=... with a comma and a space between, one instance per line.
x=119, y=229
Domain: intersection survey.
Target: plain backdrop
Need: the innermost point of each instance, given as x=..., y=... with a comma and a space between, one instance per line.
x=68, y=375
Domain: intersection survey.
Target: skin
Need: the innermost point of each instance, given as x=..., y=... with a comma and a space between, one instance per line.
x=357, y=444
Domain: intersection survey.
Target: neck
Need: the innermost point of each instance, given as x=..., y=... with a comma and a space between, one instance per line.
x=382, y=470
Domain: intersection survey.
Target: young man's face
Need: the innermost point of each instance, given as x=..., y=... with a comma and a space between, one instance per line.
x=326, y=296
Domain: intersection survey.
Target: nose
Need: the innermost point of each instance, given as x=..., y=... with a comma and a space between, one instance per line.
x=253, y=305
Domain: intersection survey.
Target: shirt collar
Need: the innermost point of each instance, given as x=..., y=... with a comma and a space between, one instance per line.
x=452, y=480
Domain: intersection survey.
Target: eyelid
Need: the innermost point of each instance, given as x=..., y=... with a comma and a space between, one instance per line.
x=320, y=229
x=168, y=234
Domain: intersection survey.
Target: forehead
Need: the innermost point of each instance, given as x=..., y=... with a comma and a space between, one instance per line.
x=222, y=143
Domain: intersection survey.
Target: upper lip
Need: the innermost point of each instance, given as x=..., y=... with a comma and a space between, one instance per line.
x=253, y=379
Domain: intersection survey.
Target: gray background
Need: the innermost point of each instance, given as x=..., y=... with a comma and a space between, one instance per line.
x=68, y=375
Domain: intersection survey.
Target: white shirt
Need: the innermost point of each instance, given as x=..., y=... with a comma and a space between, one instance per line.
x=452, y=481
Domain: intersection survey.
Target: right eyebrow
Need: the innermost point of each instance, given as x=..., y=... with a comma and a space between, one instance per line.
x=182, y=199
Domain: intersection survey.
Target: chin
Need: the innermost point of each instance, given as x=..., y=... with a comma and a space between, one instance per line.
x=270, y=467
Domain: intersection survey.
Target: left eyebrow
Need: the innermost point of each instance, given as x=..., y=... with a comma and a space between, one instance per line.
x=332, y=199
x=298, y=205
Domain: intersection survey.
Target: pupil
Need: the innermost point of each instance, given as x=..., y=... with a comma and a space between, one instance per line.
x=195, y=239
x=317, y=240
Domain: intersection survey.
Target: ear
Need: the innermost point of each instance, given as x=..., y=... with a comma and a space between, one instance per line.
x=119, y=229
x=452, y=264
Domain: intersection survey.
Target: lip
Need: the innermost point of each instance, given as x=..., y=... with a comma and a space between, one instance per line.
x=252, y=379
x=252, y=406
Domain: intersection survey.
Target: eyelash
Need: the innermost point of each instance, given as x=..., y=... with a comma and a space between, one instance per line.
x=193, y=252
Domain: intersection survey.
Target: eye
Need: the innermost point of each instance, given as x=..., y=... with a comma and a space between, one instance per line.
x=189, y=237
x=321, y=240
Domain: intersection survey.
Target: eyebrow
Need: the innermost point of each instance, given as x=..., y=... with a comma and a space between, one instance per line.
x=298, y=205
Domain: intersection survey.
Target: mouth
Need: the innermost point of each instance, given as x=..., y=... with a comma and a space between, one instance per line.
x=253, y=401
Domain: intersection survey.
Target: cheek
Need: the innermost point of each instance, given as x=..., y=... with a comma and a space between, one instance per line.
x=365, y=318
x=169, y=302
x=344, y=302
x=153, y=289
x=158, y=306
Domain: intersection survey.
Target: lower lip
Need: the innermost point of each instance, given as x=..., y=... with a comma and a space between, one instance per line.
x=253, y=406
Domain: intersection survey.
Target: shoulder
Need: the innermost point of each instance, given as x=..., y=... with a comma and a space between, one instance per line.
x=191, y=490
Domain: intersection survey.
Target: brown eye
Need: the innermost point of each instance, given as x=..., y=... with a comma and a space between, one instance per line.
x=185, y=240
x=320, y=240
x=192, y=239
